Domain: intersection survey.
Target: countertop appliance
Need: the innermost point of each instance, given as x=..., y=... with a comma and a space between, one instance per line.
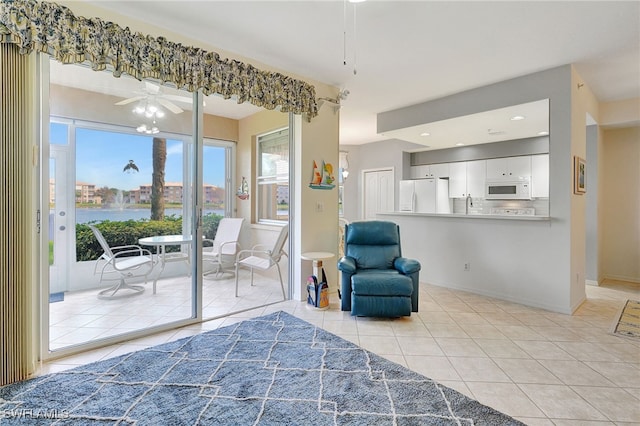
x=529, y=211
x=508, y=190
x=425, y=196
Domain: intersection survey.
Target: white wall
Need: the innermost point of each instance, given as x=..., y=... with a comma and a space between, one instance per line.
x=504, y=255
x=534, y=263
x=385, y=154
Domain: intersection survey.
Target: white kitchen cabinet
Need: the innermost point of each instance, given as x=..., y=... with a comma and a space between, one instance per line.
x=429, y=171
x=467, y=178
x=458, y=179
x=439, y=170
x=510, y=168
x=419, y=172
x=540, y=176
x=476, y=178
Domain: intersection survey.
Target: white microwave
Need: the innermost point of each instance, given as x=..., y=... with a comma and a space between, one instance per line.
x=508, y=190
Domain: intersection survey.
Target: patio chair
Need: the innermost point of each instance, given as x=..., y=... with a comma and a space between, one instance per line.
x=126, y=261
x=263, y=259
x=342, y=224
x=222, y=250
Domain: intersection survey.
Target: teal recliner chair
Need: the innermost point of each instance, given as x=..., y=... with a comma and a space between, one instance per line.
x=376, y=280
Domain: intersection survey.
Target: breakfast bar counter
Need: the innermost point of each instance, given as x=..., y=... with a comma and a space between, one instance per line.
x=469, y=216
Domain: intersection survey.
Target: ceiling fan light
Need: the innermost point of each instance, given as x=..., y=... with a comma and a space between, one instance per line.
x=159, y=113
x=139, y=109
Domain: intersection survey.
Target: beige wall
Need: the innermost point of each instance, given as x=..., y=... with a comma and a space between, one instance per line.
x=620, y=113
x=583, y=103
x=249, y=128
x=314, y=230
x=620, y=204
x=318, y=209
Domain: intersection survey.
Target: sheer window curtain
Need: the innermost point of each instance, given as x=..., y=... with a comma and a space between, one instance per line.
x=18, y=247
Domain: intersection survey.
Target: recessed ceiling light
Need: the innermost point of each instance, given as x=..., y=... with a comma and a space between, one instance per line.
x=459, y=144
x=543, y=133
x=425, y=134
x=517, y=117
x=357, y=1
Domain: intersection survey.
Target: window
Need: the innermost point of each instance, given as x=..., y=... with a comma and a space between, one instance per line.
x=273, y=177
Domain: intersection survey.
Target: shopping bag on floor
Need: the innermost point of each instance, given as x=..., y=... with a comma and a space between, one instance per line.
x=323, y=292
x=312, y=290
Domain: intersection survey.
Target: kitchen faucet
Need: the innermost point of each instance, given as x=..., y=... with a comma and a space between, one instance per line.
x=468, y=202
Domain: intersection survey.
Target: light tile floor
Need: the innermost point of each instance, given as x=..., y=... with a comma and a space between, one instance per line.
x=82, y=317
x=540, y=367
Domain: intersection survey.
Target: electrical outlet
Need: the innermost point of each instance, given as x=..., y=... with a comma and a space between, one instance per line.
x=467, y=266
x=319, y=207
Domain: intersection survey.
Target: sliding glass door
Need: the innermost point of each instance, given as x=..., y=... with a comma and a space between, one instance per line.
x=119, y=193
x=224, y=237
x=134, y=204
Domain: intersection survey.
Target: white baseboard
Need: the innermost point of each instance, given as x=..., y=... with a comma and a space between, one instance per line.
x=592, y=282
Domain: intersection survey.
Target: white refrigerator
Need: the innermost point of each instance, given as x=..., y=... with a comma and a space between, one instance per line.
x=424, y=196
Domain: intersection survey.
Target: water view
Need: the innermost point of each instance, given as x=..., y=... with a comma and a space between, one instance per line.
x=84, y=215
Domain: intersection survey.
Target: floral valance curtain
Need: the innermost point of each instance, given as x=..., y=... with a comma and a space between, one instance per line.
x=53, y=29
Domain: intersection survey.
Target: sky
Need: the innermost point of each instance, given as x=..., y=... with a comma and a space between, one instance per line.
x=101, y=156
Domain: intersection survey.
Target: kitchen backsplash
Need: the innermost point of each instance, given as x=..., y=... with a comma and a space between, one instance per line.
x=482, y=206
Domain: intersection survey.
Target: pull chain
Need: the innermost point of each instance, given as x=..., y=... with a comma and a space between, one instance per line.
x=344, y=33
x=355, y=39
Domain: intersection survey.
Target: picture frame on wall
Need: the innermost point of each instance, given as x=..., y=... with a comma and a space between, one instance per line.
x=579, y=175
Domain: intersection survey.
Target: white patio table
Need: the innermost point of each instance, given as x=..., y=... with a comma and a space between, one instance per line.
x=161, y=242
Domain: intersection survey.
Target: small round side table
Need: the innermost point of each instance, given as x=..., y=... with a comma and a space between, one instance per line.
x=317, y=257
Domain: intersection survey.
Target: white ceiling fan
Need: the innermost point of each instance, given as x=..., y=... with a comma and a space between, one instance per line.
x=151, y=97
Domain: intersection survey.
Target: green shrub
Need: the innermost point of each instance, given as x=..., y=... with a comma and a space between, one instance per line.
x=210, y=225
x=121, y=233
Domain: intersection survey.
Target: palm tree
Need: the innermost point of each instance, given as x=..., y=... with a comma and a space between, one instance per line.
x=159, y=154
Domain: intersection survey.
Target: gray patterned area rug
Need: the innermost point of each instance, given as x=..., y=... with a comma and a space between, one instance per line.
x=271, y=370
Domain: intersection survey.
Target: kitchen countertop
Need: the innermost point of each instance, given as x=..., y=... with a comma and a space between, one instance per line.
x=469, y=216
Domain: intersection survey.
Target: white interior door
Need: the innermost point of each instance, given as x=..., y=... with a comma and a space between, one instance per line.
x=378, y=192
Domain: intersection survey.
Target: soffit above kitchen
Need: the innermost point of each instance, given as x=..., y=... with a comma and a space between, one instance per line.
x=510, y=123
